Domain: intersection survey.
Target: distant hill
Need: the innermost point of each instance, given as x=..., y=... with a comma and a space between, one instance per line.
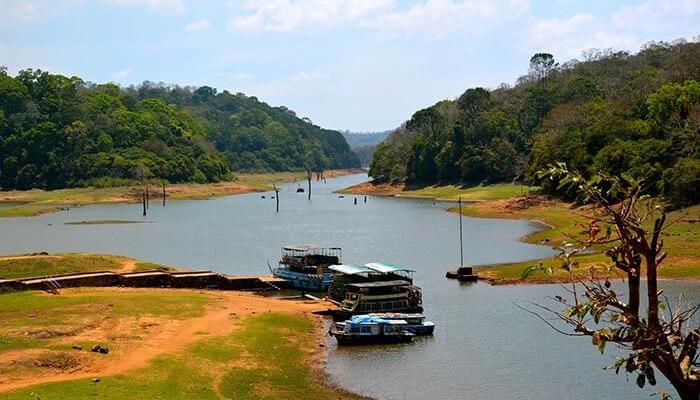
x=357, y=139
x=58, y=131
x=363, y=143
x=614, y=112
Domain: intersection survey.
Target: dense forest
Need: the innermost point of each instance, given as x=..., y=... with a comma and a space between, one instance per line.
x=614, y=112
x=58, y=131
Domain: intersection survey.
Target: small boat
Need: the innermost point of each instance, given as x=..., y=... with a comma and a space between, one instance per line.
x=366, y=329
x=305, y=267
x=417, y=323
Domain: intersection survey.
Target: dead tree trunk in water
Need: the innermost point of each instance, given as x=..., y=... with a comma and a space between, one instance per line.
x=148, y=197
x=143, y=202
x=308, y=178
x=164, y=195
x=277, y=197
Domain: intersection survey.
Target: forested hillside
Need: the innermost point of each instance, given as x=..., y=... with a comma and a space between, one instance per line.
x=58, y=131
x=614, y=112
x=363, y=143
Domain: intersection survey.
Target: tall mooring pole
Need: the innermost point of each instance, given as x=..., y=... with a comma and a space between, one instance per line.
x=461, y=246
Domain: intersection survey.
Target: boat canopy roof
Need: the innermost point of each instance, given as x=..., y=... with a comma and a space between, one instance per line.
x=307, y=247
x=370, y=319
x=379, y=284
x=351, y=269
x=388, y=268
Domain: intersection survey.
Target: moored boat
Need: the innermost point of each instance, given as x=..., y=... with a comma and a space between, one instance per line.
x=417, y=323
x=305, y=267
x=365, y=329
x=380, y=297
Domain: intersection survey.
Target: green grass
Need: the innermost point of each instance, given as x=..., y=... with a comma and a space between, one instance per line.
x=173, y=304
x=14, y=268
x=473, y=193
x=147, y=266
x=514, y=271
x=262, y=359
x=26, y=211
x=681, y=241
x=31, y=203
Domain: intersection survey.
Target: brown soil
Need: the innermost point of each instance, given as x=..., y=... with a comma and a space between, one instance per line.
x=375, y=189
x=142, y=340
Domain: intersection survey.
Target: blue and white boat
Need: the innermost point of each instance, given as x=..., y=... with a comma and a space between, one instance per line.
x=305, y=267
x=416, y=323
x=367, y=329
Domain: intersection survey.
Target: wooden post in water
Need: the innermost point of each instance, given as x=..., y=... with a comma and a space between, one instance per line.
x=143, y=201
x=308, y=177
x=148, y=197
x=461, y=246
x=355, y=200
x=277, y=196
x=163, y=194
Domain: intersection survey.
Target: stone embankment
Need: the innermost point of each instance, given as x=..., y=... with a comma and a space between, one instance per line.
x=152, y=279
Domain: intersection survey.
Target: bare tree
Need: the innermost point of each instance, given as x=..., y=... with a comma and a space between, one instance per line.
x=622, y=223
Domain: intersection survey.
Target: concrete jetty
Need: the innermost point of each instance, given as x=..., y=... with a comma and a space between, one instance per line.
x=150, y=278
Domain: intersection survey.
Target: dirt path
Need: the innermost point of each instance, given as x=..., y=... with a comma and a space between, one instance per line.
x=127, y=266
x=171, y=336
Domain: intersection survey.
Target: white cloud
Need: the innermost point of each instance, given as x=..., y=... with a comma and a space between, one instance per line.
x=626, y=29
x=440, y=18
x=567, y=38
x=289, y=15
x=654, y=16
x=198, y=25
x=241, y=76
x=18, y=10
x=544, y=29
x=309, y=76
x=167, y=6
x=433, y=18
x=122, y=74
x=34, y=10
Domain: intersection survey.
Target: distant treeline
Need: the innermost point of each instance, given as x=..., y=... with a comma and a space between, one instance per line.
x=614, y=112
x=363, y=143
x=58, y=131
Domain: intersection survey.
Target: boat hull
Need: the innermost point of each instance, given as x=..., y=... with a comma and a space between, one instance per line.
x=357, y=340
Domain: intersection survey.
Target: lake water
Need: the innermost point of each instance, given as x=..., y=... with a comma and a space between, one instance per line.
x=483, y=347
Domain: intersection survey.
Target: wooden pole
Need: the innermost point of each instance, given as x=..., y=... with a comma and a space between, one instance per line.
x=164, y=195
x=143, y=201
x=277, y=197
x=148, y=197
x=308, y=177
x=461, y=246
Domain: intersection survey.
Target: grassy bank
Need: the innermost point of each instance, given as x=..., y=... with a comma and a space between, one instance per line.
x=168, y=344
x=444, y=192
x=26, y=266
x=563, y=221
x=560, y=221
x=29, y=203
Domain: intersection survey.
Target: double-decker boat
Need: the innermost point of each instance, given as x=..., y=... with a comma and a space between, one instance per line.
x=366, y=329
x=305, y=267
x=380, y=297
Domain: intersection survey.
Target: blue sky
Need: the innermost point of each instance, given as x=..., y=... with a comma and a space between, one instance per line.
x=346, y=64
